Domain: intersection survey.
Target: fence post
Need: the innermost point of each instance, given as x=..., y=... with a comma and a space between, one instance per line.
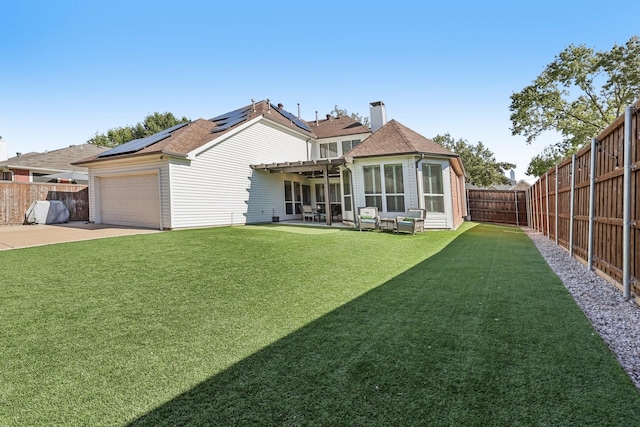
x=548, y=210
x=527, y=197
x=515, y=195
x=572, y=202
x=592, y=203
x=556, y=224
x=626, y=217
x=540, y=219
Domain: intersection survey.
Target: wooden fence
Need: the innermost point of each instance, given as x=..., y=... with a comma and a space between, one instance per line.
x=500, y=206
x=16, y=197
x=589, y=203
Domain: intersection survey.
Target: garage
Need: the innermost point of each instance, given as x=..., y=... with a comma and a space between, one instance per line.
x=131, y=200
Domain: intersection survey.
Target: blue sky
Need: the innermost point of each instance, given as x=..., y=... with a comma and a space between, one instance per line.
x=70, y=69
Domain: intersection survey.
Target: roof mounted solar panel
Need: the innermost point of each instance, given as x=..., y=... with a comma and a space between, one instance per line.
x=140, y=143
x=293, y=118
x=224, y=125
x=239, y=111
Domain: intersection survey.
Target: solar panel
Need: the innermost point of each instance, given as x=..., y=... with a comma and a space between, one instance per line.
x=140, y=143
x=229, y=123
x=239, y=111
x=293, y=118
x=238, y=116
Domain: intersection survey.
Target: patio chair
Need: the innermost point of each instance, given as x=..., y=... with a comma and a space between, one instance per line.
x=412, y=222
x=368, y=218
x=309, y=213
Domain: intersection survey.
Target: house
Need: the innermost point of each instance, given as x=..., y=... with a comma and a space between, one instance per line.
x=34, y=167
x=260, y=161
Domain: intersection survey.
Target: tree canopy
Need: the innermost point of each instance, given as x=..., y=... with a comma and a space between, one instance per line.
x=339, y=112
x=578, y=95
x=481, y=168
x=152, y=124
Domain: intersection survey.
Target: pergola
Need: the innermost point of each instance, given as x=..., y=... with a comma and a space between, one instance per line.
x=309, y=168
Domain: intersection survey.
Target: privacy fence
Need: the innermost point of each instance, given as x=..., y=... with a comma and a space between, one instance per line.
x=16, y=197
x=500, y=206
x=589, y=203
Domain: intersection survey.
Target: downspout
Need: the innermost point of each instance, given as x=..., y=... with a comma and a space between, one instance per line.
x=327, y=200
x=592, y=203
x=626, y=218
x=420, y=201
x=572, y=202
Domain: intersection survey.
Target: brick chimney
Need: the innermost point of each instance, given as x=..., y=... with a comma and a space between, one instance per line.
x=378, y=115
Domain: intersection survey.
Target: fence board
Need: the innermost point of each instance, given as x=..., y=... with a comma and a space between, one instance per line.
x=607, y=243
x=16, y=197
x=498, y=206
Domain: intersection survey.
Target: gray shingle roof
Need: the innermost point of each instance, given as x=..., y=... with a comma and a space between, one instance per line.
x=55, y=160
x=395, y=138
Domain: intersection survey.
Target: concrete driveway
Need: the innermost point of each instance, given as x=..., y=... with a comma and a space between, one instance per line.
x=22, y=236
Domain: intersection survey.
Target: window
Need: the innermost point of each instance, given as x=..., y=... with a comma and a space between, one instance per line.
x=433, y=187
x=297, y=194
x=394, y=188
x=306, y=194
x=7, y=175
x=348, y=145
x=372, y=187
x=288, y=198
x=346, y=184
x=320, y=194
x=328, y=150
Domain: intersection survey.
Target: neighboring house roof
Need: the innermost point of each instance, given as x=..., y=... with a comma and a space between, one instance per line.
x=337, y=126
x=60, y=160
x=395, y=138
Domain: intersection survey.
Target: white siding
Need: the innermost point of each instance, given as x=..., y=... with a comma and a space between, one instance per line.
x=410, y=185
x=218, y=187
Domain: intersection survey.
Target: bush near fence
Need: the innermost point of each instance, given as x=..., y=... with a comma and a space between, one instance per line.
x=16, y=197
x=561, y=206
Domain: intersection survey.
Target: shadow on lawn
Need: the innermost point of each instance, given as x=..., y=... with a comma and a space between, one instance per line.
x=389, y=357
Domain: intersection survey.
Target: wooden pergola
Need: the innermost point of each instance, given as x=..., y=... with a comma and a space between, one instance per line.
x=308, y=168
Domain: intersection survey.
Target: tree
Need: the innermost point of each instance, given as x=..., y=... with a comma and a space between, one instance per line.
x=339, y=112
x=152, y=124
x=578, y=95
x=480, y=166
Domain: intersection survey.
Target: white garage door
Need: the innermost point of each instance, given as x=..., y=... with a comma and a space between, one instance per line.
x=132, y=200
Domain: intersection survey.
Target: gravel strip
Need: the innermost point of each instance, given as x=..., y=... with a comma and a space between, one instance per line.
x=616, y=320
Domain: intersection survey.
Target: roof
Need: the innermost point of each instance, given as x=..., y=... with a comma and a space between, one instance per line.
x=394, y=138
x=55, y=160
x=337, y=126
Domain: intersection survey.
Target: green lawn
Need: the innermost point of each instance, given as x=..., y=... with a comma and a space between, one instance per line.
x=278, y=325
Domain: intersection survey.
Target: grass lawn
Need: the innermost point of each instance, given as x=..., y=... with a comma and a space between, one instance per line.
x=277, y=325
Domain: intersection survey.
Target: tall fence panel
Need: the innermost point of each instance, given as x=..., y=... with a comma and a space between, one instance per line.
x=580, y=203
x=16, y=197
x=499, y=206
